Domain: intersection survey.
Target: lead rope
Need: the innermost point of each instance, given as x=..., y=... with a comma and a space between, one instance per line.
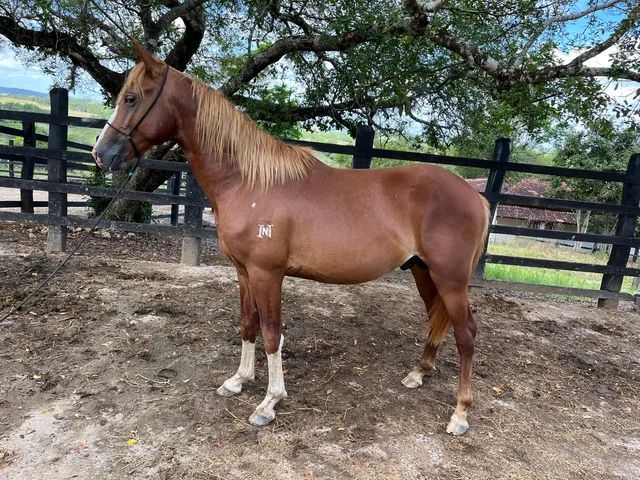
x=39, y=287
x=129, y=137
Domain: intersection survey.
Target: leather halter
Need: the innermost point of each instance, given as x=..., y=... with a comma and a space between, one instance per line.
x=129, y=136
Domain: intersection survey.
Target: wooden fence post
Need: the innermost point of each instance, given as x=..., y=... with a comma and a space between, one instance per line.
x=26, y=196
x=364, y=144
x=625, y=227
x=175, y=190
x=501, y=153
x=192, y=246
x=12, y=168
x=57, y=171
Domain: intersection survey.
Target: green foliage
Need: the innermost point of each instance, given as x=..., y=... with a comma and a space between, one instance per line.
x=595, y=151
x=142, y=214
x=23, y=107
x=268, y=98
x=454, y=82
x=97, y=178
x=97, y=205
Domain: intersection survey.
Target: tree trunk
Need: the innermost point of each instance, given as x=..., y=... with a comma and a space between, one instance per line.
x=582, y=224
x=144, y=180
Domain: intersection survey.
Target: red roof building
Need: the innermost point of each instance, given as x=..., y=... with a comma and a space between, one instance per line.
x=536, y=217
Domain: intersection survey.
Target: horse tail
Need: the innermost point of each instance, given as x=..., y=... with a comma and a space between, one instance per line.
x=479, y=246
x=439, y=319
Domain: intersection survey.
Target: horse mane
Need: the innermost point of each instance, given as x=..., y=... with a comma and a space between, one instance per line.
x=226, y=132
x=133, y=83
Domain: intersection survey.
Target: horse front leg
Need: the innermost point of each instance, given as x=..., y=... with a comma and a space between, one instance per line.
x=267, y=289
x=248, y=330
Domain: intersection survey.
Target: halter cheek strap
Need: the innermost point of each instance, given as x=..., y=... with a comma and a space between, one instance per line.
x=129, y=136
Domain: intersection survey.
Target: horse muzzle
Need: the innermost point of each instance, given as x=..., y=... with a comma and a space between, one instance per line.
x=110, y=158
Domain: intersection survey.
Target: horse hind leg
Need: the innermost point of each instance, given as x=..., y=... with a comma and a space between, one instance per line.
x=455, y=298
x=438, y=326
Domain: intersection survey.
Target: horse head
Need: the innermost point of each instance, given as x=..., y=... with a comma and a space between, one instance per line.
x=143, y=116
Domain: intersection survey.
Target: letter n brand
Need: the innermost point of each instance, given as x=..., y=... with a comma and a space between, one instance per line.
x=264, y=231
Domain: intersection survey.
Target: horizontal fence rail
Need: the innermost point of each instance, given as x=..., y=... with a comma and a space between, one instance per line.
x=362, y=152
x=565, y=235
x=560, y=265
x=43, y=138
x=64, y=120
x=103, y=192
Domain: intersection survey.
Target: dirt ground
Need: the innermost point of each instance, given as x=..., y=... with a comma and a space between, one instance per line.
x=111, y=373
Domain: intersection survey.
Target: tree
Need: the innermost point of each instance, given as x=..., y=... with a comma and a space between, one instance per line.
x=441, y=71
x=594, y=151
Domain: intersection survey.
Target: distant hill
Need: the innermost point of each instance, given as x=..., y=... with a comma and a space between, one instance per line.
x=21, y=91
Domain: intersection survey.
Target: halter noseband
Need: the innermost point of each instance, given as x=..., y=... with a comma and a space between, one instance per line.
x=129, y=136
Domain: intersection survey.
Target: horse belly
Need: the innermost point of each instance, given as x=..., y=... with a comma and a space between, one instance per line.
x=347, y=258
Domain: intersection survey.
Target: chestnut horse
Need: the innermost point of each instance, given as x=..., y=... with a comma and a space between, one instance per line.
x=280, y=211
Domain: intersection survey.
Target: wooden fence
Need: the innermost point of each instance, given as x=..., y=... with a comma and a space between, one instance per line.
x=61, y=161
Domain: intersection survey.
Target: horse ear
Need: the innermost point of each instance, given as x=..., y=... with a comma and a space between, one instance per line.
x=152, y=63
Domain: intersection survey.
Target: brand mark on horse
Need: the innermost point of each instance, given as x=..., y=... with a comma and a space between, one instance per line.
x=264, y=231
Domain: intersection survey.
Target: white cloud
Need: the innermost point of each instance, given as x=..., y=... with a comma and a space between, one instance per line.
x=8, y=62
x=625, y=89
x=603, y=59
x=14, y=74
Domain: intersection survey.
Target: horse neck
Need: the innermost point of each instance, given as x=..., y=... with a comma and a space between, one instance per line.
x=215, y=175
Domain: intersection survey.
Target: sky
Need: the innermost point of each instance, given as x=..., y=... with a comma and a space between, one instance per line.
x=13, y=74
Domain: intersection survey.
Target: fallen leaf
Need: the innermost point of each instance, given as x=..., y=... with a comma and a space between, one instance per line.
x=6, y=458
x=132, y=441
x=498, y=390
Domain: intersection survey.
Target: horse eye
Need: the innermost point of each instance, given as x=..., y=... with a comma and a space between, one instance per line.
x=130, y=99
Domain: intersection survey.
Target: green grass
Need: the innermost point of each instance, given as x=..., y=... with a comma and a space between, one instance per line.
x=545, y=276
x=341, y=138
x=78, y=108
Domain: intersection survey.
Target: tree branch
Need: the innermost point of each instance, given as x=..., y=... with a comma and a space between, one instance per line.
x=195, y=26
x=178, y=11
x=419, y=14
x=64, y=45
x=471, y=54
x=295, y=18
x=559, y=19
x=301, y=43
x=576, y=66
x=278, y=112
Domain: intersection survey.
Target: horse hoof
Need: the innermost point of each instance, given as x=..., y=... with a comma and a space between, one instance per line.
x=225, y=392
x=456, y=426
x=412, y=380
x=261, y=419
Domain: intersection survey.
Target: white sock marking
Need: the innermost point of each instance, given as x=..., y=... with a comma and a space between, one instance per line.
x=245, y=370
x=276, y=390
